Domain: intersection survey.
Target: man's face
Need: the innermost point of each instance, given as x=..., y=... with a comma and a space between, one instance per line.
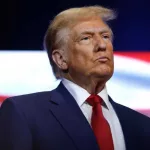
x=90, y=50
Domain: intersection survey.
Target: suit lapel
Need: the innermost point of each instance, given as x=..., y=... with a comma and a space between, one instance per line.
x=69, y=115
x=127, y=125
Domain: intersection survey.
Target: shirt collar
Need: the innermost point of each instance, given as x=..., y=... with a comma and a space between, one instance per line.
x=80, y=94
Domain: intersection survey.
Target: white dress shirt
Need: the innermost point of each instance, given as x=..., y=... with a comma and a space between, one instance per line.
x=80, y=95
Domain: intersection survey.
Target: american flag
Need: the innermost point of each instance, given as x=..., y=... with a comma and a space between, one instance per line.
x=27, y=72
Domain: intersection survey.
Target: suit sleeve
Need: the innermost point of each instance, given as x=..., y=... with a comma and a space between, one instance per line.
x=14, y=129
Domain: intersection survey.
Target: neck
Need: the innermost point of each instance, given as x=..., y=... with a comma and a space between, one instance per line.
x=91, y=85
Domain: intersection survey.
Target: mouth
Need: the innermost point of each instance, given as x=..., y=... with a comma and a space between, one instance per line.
x=102, y=59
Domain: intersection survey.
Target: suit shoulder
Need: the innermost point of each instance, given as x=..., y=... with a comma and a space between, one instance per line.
x=28, y=105
x=36, y=96
x=133, y=114
x=30, y=100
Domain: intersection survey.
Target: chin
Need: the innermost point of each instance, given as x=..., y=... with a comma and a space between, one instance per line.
x=104, y=74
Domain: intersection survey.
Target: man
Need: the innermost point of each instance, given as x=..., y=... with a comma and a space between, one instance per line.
x=78, y=114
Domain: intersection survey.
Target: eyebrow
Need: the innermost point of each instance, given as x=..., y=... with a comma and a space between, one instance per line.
x=92, y=31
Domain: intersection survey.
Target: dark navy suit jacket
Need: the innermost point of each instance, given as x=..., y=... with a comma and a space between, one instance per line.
x=53, y=121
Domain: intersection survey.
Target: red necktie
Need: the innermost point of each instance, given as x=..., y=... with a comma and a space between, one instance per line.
x=99, y=124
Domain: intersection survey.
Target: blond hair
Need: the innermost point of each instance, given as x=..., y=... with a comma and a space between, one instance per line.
x=58, y=31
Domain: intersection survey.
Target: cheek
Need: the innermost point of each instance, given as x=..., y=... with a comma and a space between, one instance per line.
x=110, y=51
x=81, y=59
x=82, y=54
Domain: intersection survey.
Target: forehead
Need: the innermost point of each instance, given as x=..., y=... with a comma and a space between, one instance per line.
x=96, y=25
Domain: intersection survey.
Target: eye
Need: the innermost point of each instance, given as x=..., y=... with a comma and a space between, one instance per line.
x=85, y=38
x=107, y=36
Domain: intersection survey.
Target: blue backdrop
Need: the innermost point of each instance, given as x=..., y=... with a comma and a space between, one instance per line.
x=25, y=22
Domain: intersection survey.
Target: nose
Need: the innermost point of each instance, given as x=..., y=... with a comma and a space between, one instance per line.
x=100, y=44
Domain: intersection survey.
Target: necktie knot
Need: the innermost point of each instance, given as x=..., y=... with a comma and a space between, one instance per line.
x=93, y=100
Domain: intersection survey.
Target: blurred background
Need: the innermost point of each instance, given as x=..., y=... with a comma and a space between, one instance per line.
x=24, y=64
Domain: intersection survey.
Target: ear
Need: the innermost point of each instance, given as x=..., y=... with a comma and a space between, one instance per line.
x=59, y=57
